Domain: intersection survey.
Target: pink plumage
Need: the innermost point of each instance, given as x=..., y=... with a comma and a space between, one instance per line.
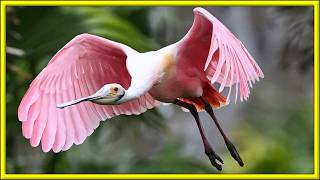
x=81, y=67
x=219, y=53
x=92, y=79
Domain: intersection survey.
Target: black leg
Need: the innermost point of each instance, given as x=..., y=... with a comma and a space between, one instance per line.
x=232, y=149
x=207, y=147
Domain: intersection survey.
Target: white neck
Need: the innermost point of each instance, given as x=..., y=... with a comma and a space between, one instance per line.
x=131, y=94
x=145, y=70
x=140, y=84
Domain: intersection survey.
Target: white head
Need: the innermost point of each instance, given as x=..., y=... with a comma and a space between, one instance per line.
x=107, y=95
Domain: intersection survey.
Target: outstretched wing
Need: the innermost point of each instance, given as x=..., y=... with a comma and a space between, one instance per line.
x=78, y=70
x=211, y=47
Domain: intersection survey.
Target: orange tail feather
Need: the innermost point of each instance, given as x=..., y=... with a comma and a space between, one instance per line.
x=215, y=99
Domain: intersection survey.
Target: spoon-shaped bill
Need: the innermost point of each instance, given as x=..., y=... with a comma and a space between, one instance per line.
x=70, y=103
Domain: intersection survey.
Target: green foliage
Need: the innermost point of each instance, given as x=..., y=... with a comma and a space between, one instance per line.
x=170, y=160
x=280, y=141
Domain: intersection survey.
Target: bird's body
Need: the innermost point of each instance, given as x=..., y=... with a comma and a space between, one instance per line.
x=92, y=79
x=164, y=79
x=176, y=81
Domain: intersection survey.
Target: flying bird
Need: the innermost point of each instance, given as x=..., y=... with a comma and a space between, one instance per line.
x=92, y=79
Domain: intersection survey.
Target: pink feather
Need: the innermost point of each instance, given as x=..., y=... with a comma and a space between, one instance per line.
x=79, y=69
x=226, y=60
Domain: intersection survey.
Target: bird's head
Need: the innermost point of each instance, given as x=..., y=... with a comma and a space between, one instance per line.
x=108, y=94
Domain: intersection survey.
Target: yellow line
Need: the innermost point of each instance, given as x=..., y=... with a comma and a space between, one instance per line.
x=160, y=176
x=316, y=89
x=3, y=91
x=159, y=3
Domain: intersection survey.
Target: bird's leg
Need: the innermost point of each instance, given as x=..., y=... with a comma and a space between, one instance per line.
x=232, y=149
x=207, y=147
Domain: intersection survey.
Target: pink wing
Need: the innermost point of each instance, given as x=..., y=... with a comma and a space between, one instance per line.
x=219, y=53
x=78, y=70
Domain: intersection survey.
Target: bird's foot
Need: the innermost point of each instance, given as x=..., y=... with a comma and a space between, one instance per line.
x=213, y=157
x=234, y=153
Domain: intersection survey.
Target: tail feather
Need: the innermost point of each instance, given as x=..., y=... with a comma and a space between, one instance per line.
x=215, y=99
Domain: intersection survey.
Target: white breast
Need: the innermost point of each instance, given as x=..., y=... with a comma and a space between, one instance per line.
x=147, y=67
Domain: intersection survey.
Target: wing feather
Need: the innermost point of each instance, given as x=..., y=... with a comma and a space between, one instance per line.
x=226, y=62
x=40, y=122
x=79, y=69
x=60, y=138
x=70, y=130
x=49, y=132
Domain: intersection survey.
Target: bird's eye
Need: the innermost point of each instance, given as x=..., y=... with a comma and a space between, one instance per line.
x=116, y=89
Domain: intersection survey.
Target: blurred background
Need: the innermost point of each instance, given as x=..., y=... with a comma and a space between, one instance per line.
x=273, y=130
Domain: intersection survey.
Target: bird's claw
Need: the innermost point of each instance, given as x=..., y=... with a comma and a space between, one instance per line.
x=213, y=157
x=234, y=153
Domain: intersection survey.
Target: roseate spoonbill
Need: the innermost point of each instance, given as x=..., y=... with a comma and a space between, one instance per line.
x=106, y=79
